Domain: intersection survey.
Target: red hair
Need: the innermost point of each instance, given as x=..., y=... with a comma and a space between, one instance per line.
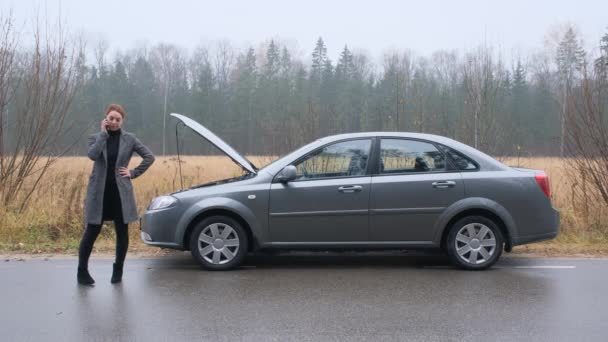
x=116, y=107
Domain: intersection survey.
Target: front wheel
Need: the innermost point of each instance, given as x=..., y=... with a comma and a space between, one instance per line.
x=218, y=243
x=474, y=243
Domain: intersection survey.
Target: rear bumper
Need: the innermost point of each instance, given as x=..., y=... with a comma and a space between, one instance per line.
x=550, y=233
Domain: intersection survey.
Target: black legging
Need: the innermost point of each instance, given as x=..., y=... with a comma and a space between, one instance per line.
x=90, y=235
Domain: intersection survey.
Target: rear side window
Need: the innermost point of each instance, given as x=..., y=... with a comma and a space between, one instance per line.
x=460, y=161
x=403, y=155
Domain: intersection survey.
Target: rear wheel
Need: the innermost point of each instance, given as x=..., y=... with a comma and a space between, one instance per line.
x=218, y=243
x=474, y=243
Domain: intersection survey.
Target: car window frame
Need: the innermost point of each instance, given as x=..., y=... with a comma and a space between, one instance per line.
x=368, y=169
x=377, y=153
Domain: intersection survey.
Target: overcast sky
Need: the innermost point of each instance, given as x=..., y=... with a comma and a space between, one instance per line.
x=374, y=25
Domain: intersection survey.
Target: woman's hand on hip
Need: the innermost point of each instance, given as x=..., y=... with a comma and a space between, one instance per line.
x=124, y=172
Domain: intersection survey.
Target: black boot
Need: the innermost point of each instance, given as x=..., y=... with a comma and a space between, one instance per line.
x=116, y=274
x=84, y=278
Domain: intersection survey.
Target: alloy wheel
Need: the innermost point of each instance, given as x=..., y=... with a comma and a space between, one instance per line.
x=475, y=243
x=218, y=243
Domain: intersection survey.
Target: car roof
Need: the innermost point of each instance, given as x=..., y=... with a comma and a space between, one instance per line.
x=423, y=136
x=485, y=161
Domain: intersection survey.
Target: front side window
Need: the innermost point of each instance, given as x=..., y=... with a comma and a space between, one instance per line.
x=343, y=159
x=402, y=155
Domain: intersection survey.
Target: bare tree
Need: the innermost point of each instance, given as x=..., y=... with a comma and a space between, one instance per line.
x=587, y=139
x=447, y=73
x=37, y=86
x=166, y=58
x=482, y=77
x=8, y=87
x=100, y=51
x=224, y=63
x=566, y=48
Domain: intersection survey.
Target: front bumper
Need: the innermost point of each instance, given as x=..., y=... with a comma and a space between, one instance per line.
x=158, y=228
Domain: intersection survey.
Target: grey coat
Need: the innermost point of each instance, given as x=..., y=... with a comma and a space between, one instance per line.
x=97, y=181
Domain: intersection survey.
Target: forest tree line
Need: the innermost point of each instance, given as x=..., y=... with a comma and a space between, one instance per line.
x=265, y=100
x=270, y=98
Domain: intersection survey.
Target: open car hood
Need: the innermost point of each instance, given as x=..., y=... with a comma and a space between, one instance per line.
x=217, y=142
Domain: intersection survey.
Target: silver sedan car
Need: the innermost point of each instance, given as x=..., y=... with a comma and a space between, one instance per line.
x=375, y=190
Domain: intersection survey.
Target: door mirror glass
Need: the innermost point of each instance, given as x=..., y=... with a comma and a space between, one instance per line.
x=287, y=174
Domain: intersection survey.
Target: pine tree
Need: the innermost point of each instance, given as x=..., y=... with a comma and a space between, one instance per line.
x=345, y=67
x=120, y=88
x=315, y=108
x=271, y=68
x=601, y=63
x=327, y=99
x=285, y=64
x=570, y=59
x=142, y=81
x=345, y=116
x=245, y=92
x=519, y=76
x=520, y=105
x=285, y=89
x=319, y=60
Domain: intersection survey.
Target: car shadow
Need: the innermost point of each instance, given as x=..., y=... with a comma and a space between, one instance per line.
x=346, y=260
x=321, y=260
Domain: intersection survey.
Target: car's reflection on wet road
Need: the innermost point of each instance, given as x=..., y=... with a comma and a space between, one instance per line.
x=349, y=297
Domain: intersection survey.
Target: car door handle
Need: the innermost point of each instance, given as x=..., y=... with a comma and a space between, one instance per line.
x=443, y=184
x=350, y=188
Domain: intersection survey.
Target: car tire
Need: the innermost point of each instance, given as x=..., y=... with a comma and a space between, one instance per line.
x=218, y=243
x=474, y=243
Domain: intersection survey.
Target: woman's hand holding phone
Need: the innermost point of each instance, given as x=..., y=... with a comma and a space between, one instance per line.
x=104, y=125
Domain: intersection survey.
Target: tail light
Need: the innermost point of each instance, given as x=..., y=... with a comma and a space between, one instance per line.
x=543, y=182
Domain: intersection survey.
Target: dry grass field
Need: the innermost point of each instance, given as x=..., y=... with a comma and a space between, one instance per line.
x=53, y=222
x=580, y=234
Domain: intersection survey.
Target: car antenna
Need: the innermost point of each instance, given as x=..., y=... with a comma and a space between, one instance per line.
x=179, y=162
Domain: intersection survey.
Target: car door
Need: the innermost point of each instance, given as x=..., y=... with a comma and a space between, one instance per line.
x=329, y=200
x=412, y=187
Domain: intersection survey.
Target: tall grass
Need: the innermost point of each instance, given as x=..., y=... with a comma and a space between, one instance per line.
x=584, y=223
x=54, y=219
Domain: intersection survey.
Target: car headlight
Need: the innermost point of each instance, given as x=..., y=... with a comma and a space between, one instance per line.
x=162, y=202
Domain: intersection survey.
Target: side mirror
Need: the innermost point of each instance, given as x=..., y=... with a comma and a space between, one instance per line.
x=287, y=174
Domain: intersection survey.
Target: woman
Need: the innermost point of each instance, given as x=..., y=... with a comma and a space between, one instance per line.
x=110, y=192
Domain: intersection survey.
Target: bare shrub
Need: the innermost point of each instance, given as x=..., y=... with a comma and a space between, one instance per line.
x=587, y=144
x=37, y=86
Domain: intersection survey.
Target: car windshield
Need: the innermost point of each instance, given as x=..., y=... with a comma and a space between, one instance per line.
x=293, y=153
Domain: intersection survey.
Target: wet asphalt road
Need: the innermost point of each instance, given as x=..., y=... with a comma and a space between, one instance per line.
x=313, y=298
